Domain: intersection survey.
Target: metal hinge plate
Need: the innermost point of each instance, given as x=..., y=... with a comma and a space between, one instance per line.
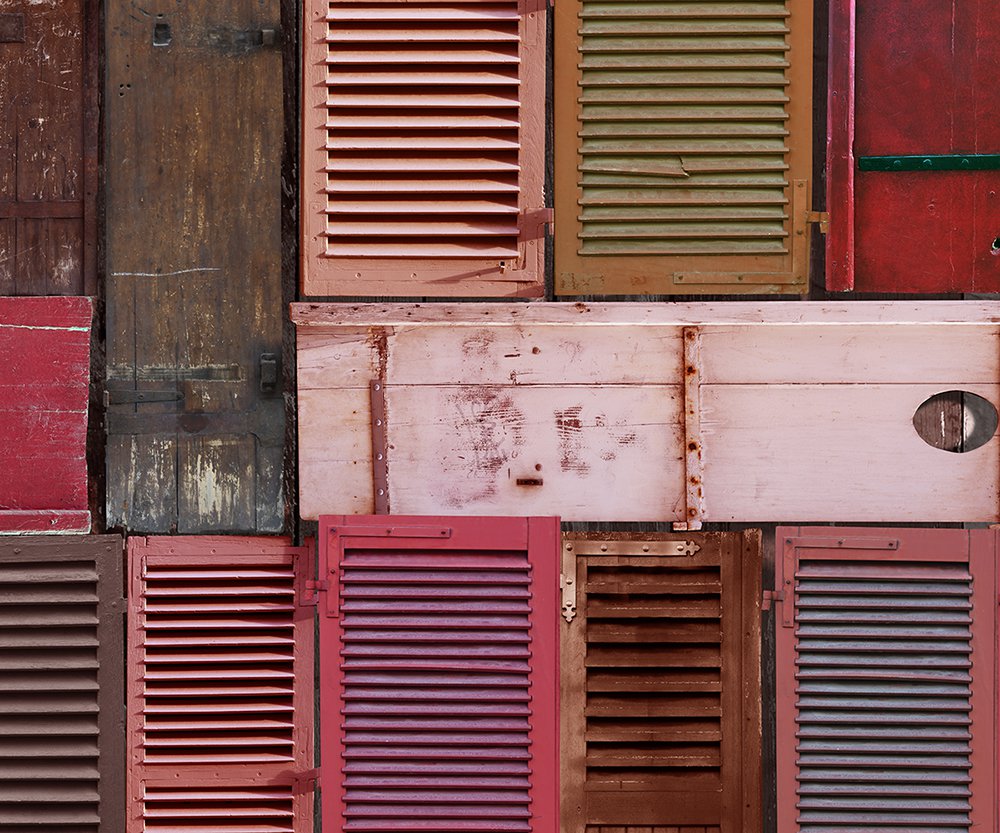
x=820, y=217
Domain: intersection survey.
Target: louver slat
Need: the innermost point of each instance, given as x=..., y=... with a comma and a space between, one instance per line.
x=682, y=146
x=887, y=654
x=660, y=683
x=61, y=738
x=220, y=699
x=439, y=674
x=423, y=148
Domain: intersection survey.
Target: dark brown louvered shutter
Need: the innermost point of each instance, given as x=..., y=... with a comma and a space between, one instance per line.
x=439, y=668
x=61, y=699
x=886, y=680
x=661, y=683
x=220, y=686
x=423, y=148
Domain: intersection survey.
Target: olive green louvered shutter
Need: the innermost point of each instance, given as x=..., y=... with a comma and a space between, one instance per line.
x=683, y=146
x=660, y=697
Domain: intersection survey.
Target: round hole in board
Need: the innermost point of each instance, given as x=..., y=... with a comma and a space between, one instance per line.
x=995, y=248
x=956, y=421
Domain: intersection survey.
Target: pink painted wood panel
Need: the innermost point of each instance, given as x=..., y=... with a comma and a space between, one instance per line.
x=44, y=382
x=800, y=410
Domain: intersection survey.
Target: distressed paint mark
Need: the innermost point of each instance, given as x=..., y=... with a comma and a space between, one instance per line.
x=569, y=428
x=493, y=427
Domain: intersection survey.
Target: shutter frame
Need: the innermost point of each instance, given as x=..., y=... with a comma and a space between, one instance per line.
x=976, y=550
x=738, y=559
x=680, y=273
x=537, y=538
x=417, y=275
x=261, y=783
x=105, y=553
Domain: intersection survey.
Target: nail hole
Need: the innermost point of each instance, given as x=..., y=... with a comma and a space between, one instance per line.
x=956, y=420
x=161, y=34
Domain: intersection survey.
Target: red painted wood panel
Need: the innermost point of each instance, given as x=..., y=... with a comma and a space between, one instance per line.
x=439, y=673
x=912, y=77
x=44, y=382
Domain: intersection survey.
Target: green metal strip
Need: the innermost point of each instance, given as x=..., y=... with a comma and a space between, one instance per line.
x=945, y=162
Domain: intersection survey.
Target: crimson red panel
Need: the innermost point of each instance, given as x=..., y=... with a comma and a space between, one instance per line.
x=886, y=679
x=44, y=383
x=439, y=674
x=913, y=77
x=220, y=682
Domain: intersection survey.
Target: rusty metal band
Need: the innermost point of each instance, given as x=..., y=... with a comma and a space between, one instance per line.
x=380, y=448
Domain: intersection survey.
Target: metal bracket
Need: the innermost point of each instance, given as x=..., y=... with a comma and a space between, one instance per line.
x=693, y=464
x=313, y=589
x=768, y=597
x=931, y=162
x=567, y=582
x=391, y=531
x=380, y=448
x=822, y=218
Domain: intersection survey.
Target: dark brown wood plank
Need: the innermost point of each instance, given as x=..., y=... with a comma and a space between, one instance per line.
x=194, y=268
x=48, y=145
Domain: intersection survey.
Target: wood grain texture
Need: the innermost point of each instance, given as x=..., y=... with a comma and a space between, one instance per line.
x=194, y=268
x=48, y=148
x=661, y=699
x=44, y=378
x=806, y=410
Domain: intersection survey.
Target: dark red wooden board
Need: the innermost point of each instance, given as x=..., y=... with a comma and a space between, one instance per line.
x=44, y=380
x=913, y=77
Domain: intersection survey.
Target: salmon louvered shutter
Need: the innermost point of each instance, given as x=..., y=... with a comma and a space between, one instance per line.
x=423, y=148
x=886, y=679
x=61, y=668
x=683, y=146
x=220, y=686
x=438, y=672
x=661, y=721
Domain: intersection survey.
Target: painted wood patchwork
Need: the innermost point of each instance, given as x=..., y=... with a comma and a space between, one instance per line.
x=623, y=412
x=44, y=381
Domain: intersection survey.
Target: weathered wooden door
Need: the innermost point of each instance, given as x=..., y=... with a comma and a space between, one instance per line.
x=48, y=147
x=195, y=412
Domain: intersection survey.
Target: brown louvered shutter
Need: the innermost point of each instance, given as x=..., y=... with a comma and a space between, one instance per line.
x=886, y=680
x=220, y=686
x=61, y=669
x=423, y=147
x=661, y=683
x=683, y=146
x=439, y=669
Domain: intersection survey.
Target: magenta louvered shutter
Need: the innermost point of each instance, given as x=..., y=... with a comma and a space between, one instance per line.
x=886, y=680
x=220, y=686
x=439, y=674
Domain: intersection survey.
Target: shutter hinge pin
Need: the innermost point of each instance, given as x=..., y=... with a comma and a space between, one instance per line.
x=313, y=589
x=771, y=596
x=820, y=217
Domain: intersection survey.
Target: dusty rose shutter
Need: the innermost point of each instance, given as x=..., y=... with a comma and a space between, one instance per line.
x=423, y=147
x=439, y=669
x=220, y=686
x=44, y=385
x=886, y=680
x=61, y=666
x=661, y=683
